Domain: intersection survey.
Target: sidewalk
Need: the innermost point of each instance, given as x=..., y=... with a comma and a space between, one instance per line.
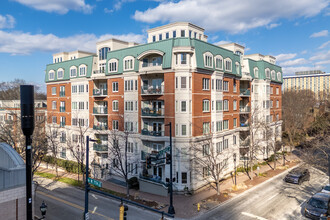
x=186, y=206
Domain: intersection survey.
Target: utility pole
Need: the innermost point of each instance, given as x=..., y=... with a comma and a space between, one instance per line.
x=171, y=207
x=27, y=125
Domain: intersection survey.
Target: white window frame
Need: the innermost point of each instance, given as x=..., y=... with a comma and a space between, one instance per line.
x=206, y=105
x=225, y=105
x=53, y=92
x=218, y=57
x=267, y=73
x=272, y=74
x=279, y=76
x=256, y=72
x=235, y=105
x=206, y=83
x=208, y=59
x=230, y=64
x=60, y=70
x=183, y=110
x=54, y=105
x=85, y=70
x=51, y=73
x=225, y=86
x=238, y=72
x=130, y=63
x=113, y=66
x=72, y=68
x=115, y=105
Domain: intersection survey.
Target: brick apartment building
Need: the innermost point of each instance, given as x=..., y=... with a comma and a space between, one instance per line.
x=177, y=77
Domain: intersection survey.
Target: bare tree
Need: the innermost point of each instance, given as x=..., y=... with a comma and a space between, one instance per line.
x=297, y=114
x=53, y=141
x=209, y=159
x=76, y=143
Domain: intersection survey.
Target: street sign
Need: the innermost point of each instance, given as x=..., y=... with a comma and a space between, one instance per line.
x=94, y=182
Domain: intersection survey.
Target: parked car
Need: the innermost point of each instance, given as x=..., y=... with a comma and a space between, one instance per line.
x=318, y=206
x=326, y=189
x=297, y=176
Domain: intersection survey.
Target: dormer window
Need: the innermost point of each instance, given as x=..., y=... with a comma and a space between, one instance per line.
x=228, y=65
x=218, y=62
x=160, y=37
x=60, y=73
x=256, y=72
x=208, y=60
x=153, y=38
x=51, y=75
x=82, y=70
x=279, y=76
x=128, y=63
x=112, y=65
x=267, y=73
x=174, y=34
x=167, y=35
x=273, y=74
x=73, y=71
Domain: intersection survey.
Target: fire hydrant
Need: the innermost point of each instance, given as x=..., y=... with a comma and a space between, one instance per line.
x=198, y=207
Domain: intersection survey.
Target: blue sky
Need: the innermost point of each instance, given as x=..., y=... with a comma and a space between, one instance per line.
x=296, y=32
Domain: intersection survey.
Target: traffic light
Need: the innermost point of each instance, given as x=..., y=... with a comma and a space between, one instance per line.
x=123, y=212
x=168, y=158
x=148, y=161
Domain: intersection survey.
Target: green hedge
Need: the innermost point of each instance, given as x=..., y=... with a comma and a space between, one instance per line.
x=68, y=165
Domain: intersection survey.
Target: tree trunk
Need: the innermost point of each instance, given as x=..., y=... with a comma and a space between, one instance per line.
x=127, y=188
x=218, y=188
x=275, y=161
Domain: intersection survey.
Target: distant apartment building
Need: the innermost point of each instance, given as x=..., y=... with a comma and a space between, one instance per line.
x=315, y=81
x=177, y=77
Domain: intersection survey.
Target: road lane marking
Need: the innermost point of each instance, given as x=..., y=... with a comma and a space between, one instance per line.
x=94, y=196
x=73, y=205
x=94, y=209
x=272, y=197
x=253, y=216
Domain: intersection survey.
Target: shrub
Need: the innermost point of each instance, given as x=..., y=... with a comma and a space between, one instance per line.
x=133, y=183
x=68, y=165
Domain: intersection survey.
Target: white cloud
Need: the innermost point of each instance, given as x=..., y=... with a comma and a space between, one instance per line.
x=27, y=43
x=234, y=16
x=294, y=62
x=7, y=21
x=222, y=42
x=58, y=6
x=117, y=5
x=285, y=56
x=323, y=33
x=304, y=52
x=273, y=25
x=323, y=55
x=324, y=45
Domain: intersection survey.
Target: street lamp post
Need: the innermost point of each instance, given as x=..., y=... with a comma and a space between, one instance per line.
x=171, y=207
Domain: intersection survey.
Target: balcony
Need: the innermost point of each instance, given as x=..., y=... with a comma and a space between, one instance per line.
x=100, y=92
x=244, y=109
x=100, y=127
x=152, y=90
x=152, y=112
x=100, y=147
x=62, y=109
x=98, y=71
x=245, y=92
x=100, y=110
x=152, y=133
x=62, y=93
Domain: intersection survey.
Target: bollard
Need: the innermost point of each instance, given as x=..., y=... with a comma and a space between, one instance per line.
x=198, y=207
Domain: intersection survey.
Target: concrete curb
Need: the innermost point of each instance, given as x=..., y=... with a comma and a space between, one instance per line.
x=245, y=192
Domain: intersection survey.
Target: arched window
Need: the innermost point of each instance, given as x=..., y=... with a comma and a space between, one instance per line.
x=256, y=72
x=103, y=53
x=279, y=76
x=267, y=72
x=60, y=73
x=82, y=70
x=128, y=63
x=73, y=71
x=51, y=75
x=113, y=65
x=218, y=60
x=208, y=59
x=273, y=75
x=228, y=64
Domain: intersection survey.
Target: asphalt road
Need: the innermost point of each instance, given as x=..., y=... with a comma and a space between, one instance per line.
x=68, y=203
x=275, y=199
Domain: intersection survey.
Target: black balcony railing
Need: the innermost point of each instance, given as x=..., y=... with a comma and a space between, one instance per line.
x=100, y=147
x=100, y=110
x=152, y=112
x=100, y=127
x=100, y=92
x=245, y=92
x=152, y=90
x=152, y=133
